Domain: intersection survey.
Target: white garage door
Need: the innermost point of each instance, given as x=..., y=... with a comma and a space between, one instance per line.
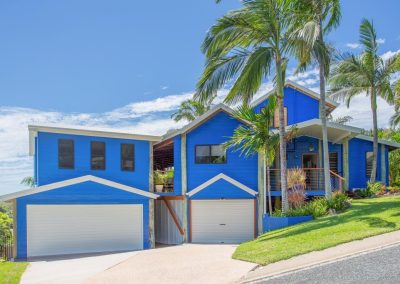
x=70, y=229
x=222, y=221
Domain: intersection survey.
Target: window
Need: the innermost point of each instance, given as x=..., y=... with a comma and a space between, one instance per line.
x=368, y=163
x=127, y=157
x=98, y=155
x=210, y=154
x=333, y=162
x=275, y=123
x=65, y=154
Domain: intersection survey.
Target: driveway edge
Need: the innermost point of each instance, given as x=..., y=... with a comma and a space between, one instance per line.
x=326, y=256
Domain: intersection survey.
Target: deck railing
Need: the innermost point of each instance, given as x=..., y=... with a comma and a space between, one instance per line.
x=315, y=180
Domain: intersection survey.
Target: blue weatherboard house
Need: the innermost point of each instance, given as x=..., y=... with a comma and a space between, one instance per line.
x=96, y=190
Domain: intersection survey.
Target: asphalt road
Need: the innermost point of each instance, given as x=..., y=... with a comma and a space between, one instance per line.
x=382, y=266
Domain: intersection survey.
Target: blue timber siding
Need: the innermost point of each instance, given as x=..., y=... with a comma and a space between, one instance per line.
x=217, y=130
x=47, y=155
x=357, y=163
x=300, y=107
x=177, y=166
x=83, y=193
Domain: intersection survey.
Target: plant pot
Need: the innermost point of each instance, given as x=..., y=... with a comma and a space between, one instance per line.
x=159, y=187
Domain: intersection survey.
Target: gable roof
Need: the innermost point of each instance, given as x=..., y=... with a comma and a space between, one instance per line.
x=74, y=181
x=34, y=129
x=204, y=117
x=226, y=178
x=329, y=102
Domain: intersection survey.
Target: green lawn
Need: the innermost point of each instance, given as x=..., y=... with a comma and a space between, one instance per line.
x=11, y=272
x=367, y=217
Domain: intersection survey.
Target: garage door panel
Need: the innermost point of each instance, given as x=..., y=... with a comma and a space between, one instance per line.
x=222, y=221
x=69, y=229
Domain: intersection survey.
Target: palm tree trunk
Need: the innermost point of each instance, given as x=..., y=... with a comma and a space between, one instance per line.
x=282, y=142
x=269, y=191
x=322, y=115
x=265, y=182
x=375, y=133
x=268, y=184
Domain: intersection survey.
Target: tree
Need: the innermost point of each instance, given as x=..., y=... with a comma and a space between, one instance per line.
x=245, y=46
x=340, y=119
x=316, y=18
x=191, y=109
x=368, y=74
x=28, y=181
x=256, y=137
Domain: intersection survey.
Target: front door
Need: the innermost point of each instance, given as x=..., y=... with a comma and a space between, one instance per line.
x=310, y=165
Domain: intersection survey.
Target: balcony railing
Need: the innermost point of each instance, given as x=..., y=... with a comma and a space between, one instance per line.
x=315, y=180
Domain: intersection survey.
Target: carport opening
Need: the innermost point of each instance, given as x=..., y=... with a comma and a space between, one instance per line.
x=163, y=161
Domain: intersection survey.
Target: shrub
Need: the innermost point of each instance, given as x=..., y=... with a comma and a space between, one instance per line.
x=296, y=183
x=376, y=188
x=317, y=207
x=296, y=197
x=338, y=201
x=393, y=189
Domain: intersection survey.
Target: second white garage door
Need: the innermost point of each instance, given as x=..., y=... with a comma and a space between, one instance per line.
x=71, y=229
x=222, y=221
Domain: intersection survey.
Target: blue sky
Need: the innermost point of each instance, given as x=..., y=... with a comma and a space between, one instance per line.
x=125, y=64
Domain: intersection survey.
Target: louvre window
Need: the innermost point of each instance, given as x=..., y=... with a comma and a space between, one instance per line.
x=210, y=154
x=333, y=162
x=65, y=154
x=98, y=155
x=368, y=163
x=127, y=157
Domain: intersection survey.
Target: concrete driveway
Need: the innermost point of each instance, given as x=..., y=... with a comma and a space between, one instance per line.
x=188, y=263
x=71, y=269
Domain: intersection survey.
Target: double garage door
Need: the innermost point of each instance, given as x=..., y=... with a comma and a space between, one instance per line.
x=222, y=221
x=72, y=229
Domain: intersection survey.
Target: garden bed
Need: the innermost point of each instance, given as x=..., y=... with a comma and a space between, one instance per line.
x=271, y=223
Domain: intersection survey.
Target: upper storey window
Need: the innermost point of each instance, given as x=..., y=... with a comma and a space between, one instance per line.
x=127, y=157
x=98, y=155
x=65, y=154
x=210, y=154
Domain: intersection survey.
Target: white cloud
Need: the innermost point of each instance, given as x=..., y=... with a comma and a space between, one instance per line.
x=145, y=117
x=353, y=45
x=380, y=40
x=360, y=111
x=164, y=87
x=389, y=54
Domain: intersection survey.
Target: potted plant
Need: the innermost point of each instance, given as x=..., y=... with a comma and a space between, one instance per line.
x=159, y=180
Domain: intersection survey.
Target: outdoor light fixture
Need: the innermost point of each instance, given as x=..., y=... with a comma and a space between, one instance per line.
x=311, y=148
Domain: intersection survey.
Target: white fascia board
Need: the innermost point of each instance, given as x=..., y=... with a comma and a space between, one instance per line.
x=317, y=121
x=74, y=181
x=380, y=141
x=226, y=178
x=34, y=129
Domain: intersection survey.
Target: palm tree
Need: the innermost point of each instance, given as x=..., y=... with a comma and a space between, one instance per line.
x=244, y=46
x=28, y=181
x=368, y=74
x=190, y=109
x=340, y=119
x=317, y=18
x=256, y=137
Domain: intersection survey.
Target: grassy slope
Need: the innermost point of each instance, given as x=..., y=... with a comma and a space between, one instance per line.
x=365, y=218
x=11, y=272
